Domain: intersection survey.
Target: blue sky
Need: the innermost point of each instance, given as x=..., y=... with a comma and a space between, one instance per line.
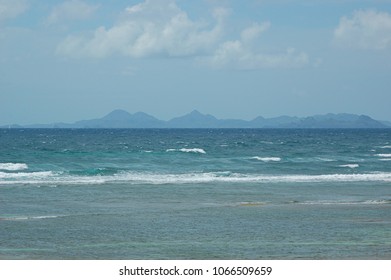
x=79, y=59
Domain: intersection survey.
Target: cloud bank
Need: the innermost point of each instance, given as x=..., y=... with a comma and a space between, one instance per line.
x=161, y=28
x=365, y=29
x=154, y=27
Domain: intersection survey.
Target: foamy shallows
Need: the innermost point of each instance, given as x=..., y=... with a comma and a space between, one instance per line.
x=354, y=165
x=13, y=166
x=188, y=150
x=267, y=159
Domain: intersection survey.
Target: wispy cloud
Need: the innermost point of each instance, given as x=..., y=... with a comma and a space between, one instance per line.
x=243, y=54
x=70, y=11
x=12, y=8
x=365, y=29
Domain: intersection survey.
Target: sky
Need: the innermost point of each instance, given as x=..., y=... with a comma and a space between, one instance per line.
x=63, y=61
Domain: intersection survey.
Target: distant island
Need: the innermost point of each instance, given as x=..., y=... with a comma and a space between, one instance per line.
x=195, y=119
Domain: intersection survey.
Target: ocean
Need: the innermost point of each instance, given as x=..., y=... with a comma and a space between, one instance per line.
x=195, y=194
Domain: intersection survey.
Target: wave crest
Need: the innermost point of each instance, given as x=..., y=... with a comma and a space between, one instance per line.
x=8, y=166
x=188, y=150
x=267, y=159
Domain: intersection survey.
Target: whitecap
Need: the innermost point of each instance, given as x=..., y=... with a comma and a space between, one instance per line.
x=346, y=202
x=267, y=159
x=188, y=150
x=21, y=218
x=386, y=147
x=193, y=150
x=384, y=155
x=354, y=165
x=325, y=159
x=27, y=175
x=13, y=166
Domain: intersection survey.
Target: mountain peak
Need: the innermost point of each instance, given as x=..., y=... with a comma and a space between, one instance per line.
x=117, y=115
x=195, y=113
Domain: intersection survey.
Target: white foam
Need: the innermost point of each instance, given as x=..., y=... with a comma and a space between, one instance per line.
x=267, y=159
x=188, y=150
x=386, y=147
x=21, y=218
x=325, y=159
x=354, y=165
x=384, y=155
x=246, y=178
x=28, y=175
x=13, y=166
x=343, y=202
x=50, y=178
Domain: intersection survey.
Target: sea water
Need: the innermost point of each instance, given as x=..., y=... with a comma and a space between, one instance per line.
x=195, y=194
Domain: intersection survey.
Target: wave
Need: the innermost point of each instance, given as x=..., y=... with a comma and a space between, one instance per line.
x=187, y=150
x=267, y=159
x=13, y=166
x=386, y=147
x=27, y=175
x=346, y=202
x=384, y=155
x=354, y=165
x=60, y=178
x=21, y=218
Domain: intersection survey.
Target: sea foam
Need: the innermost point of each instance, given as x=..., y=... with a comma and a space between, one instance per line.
x=346, y=202
x=133, y=178
x=13, y=166
x=267, y=159
x=384, y=155
x=188, y=150
x=354, y=165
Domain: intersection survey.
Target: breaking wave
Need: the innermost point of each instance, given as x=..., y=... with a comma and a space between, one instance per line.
x=22, y=218
x=384, y=155
x=61, y=178
x=353, y=165
x=267, y=159
x=187, y=150
x=13, y=166
x=331, y=202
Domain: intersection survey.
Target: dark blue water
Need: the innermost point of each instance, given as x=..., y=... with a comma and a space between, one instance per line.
x=195, y=194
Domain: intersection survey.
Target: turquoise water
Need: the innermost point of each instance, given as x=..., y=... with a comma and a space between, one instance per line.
x=195, y=194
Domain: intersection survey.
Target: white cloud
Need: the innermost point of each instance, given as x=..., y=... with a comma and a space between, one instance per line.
x=242, y=54
x=160, y=27
x=11, y=8
x=153, y=27
x=367, y=29
x=71, y=10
